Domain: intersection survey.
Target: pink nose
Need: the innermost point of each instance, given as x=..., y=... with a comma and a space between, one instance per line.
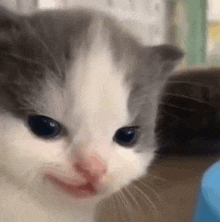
x=91, y=168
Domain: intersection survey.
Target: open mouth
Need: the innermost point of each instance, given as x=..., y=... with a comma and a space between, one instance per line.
x=81, y=191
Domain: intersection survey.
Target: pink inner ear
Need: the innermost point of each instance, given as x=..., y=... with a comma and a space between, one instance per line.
x=92, y=168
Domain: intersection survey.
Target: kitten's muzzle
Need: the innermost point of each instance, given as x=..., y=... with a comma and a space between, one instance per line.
x=91, y=169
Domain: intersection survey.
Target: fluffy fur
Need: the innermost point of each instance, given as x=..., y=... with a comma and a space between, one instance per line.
x=82, y=69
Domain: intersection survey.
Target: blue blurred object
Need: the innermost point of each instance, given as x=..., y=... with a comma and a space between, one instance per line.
x=208, y=206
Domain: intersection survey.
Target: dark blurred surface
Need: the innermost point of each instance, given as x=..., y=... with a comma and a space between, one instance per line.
x=189, y=113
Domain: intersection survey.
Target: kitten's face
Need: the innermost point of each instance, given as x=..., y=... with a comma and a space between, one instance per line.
x=78, y=106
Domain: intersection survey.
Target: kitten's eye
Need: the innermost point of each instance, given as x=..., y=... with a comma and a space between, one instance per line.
x=126, y=136
x=44, y=127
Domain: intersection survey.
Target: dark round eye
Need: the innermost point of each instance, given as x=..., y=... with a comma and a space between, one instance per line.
x=44, y=126
x=126, y=136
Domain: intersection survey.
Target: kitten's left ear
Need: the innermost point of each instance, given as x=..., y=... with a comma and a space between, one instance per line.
x=165, y=57
x=8, y=19
x=9, y=26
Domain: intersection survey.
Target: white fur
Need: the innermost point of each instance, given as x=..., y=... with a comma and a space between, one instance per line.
x=95, y=107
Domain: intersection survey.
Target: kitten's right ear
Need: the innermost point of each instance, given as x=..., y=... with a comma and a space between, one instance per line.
x=166, y=57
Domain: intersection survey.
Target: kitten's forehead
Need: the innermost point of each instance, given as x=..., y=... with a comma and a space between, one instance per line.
x=96, y=86
x=68, y=60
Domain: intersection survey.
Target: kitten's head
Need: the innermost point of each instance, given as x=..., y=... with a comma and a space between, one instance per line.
x=78, y=103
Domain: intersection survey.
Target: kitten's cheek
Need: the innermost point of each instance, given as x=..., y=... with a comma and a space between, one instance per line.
x=114, y=182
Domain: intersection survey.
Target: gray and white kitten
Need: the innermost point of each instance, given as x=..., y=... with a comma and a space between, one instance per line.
x=78, y=101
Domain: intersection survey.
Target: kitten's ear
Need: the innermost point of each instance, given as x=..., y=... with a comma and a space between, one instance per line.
x=165, y=57
x=7, y=19
x=9, y=26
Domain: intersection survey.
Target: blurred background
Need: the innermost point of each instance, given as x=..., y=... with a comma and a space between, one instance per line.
x=193, y=25
x=189, y=113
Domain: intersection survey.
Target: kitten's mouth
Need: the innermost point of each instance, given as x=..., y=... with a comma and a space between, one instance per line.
x=80, y=191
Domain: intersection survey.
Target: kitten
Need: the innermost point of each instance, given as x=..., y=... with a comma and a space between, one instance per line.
x=78, y=106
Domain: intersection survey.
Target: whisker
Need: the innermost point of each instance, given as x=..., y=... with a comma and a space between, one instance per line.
x=123, y=196
x=118, y=196
x=178, y=107
x=169, y=114
x=133, y=198
x=157, y=177
x=160, y=136
x=126, y=204
x=190, y=83
x=30, y=179
x=188, y=97
x=28, y=60
x=137, y=188
x=164, y=143
x=48, y=51
x=115, y=209
x=119, y=201
x=150, y=188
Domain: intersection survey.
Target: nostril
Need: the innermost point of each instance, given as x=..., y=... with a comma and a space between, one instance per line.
x=103, y=172
x=92, y=169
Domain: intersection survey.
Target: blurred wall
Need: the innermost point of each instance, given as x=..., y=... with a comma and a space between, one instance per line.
x=214, y=10
x=156, y=21
x=147, y=18
x=213, y=49
x=24, y=6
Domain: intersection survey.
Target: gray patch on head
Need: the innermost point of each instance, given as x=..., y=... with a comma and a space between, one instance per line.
x=154, y=65
x=36, y=50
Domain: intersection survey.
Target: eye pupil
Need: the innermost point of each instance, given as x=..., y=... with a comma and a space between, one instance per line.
x=44, y=126
x=126, y=136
